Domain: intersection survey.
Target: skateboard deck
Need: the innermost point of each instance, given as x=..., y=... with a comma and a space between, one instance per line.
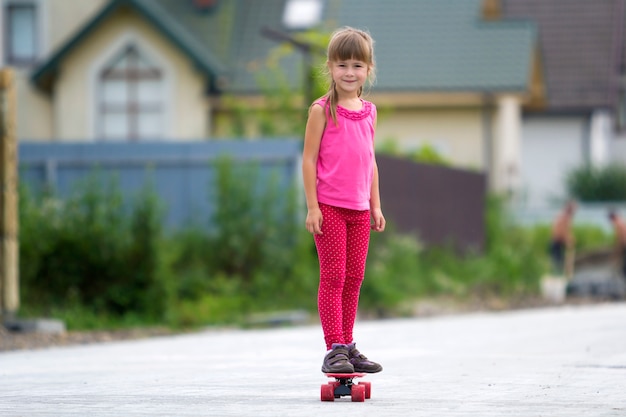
x=344, y=385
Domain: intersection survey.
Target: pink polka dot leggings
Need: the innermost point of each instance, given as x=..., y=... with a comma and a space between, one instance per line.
x=342, y=251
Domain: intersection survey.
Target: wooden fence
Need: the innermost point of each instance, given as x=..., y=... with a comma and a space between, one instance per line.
x=440, y=205
x=182, y=174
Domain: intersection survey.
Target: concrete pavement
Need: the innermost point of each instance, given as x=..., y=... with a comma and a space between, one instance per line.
x=562, y=361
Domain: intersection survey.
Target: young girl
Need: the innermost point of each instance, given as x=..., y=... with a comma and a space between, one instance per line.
x=341, y=185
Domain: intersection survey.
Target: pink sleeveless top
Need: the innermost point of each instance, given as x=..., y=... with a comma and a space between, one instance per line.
x=345, y=164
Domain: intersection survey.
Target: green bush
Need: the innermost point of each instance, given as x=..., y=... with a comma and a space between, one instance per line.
x=587, y=237
x=592, y=184
x=425, y=154
x=95, y=263
x=393, y=273
x=253, y=255
x=401, y=270
x=89, y=251
x=253, y=225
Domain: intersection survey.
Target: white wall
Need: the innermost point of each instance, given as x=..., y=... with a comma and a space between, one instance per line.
x=456, y=133
x=600, y=135
x=618, y=149
x=551, y=146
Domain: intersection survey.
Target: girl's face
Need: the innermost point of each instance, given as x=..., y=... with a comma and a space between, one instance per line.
x=349, y=75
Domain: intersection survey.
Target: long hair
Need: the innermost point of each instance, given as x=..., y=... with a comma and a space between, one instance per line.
x=348, y=43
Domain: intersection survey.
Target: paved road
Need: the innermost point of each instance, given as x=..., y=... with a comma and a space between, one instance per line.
x=565, y=361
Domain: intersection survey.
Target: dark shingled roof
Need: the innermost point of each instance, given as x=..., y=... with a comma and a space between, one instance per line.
x=583, y=48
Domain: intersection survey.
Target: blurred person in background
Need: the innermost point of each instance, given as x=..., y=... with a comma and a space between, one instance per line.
x=619, y=229
x=562, y=240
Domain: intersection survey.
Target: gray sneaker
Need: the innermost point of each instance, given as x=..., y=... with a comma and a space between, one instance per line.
x=360, y=362
x=336, y=361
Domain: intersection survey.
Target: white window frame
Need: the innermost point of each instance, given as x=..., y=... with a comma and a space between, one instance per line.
x=117, y=46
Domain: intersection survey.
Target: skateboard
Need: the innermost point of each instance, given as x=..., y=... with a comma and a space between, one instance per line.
x=343, y=385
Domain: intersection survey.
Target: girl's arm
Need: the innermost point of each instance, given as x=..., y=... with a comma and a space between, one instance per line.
x=375, y=208
x=312, y=139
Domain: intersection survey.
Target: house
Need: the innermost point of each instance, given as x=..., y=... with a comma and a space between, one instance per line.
x=583, y=46
x=451, y=73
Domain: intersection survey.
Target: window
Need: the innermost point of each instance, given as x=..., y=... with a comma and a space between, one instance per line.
x=131, y=98
x=20, y=33
x=302, y=14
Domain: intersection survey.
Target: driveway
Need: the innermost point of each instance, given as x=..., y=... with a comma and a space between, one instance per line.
x=562, y=361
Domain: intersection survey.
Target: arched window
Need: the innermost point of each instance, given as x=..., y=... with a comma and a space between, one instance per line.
x=131, y=98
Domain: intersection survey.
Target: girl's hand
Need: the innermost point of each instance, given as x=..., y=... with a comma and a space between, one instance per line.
x=379, y=220
x=314, y=221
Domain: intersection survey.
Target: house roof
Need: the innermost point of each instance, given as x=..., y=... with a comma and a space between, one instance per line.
x=583, y=48
x=442, y=45
x=203, y=53
x=426, y=45
x=421, y=46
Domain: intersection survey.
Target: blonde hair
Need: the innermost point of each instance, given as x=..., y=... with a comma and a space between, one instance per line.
x=348, y=43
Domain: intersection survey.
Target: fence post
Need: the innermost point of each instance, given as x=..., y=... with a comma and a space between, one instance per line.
x=9, y=248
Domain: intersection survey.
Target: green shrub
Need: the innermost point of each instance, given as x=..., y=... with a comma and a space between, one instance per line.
x=425, y=154
x=95, y=263
x=88, y=251
x=393, y=273
x=149, y=286
x=251, y=223
x=592, y=184
x=401, y=270
x=587, y=237
x=253, y=255
x=252, y=228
